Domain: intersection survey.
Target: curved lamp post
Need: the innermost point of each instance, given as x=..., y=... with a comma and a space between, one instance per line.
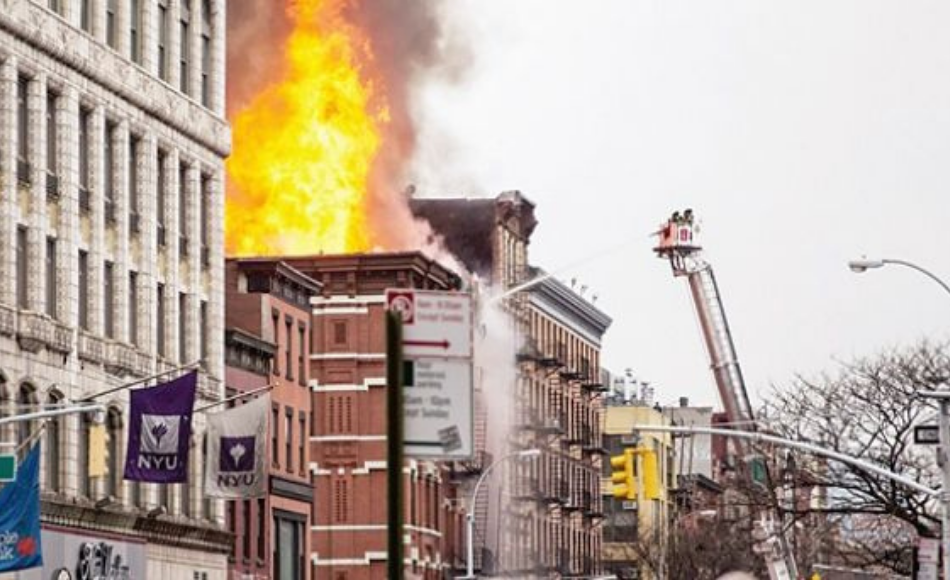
x=470, y=516
x=943, y=453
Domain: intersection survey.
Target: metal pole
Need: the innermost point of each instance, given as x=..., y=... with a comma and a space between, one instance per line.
x=139, y=381
x=470, y=516
x=394, y=444
x=807, y=447
x=942, y=459
x=235, y=397
x=52, y=413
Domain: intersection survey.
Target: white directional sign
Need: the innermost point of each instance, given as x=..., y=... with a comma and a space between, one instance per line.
x=433, y=323
x=437, y=348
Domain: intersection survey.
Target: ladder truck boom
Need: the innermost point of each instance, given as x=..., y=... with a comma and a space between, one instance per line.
x=677, y=244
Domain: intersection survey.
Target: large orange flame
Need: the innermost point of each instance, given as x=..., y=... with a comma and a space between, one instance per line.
x=304, y=147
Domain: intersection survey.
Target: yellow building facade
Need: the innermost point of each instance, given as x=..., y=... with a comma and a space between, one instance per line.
x=636, y=530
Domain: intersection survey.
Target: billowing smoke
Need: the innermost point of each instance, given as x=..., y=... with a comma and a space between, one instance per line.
x=257, y=30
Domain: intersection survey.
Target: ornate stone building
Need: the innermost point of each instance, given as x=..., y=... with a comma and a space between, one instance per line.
x=112, y=140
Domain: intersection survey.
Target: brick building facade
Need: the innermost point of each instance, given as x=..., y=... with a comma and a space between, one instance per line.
x=348, y=442
x=112, y=139
x=268, y=341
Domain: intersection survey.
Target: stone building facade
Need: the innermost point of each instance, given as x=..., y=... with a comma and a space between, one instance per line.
x=268, y=342
x=112, y=140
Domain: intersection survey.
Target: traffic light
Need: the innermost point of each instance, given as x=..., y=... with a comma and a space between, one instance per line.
x=622, y=469
x=650, y=473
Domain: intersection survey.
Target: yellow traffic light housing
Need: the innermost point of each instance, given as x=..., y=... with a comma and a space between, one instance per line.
x=622, y=475
x=650, y=473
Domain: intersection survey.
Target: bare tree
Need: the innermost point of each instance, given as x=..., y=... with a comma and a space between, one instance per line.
x=868, y=410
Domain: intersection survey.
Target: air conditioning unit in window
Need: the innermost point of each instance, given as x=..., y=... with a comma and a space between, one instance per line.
x=629, y=505
x=630, y=439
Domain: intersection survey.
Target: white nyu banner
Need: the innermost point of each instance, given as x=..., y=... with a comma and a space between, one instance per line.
x=237, y=444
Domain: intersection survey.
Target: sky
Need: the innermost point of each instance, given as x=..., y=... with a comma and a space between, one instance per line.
x=802, y=134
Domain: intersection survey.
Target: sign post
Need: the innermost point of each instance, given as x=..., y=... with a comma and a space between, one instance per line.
x=438, y=394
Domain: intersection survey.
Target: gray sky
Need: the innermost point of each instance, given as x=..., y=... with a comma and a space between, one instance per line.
x=802, y=133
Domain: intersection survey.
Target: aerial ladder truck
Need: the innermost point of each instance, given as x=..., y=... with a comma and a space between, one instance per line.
x=677, y=244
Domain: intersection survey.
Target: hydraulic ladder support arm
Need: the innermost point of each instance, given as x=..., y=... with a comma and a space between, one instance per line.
x=677, y=244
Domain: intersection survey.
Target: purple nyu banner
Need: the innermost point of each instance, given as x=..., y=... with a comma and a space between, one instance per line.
x=160, y=431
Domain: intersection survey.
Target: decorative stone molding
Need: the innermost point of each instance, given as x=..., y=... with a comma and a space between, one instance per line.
x=91, y=348
x=7, y=320
x=121, y=359
x=34, y=331
x=62, y=338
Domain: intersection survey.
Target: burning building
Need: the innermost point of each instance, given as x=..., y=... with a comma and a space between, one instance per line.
x=553, y=526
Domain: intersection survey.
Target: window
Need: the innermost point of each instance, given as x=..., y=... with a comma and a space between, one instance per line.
x=51, y=288
x=134, y=148
x=274, y=429
x=52, y=446
x=52, y=162
x=133, y=305
x=275, y=319
x=22, y=269
x=183, y=209
x=206, y=53
x=288, y=348
x=85, y=15
x=184, y=46
x=135, y=25
x=113, y=478
x=288, y=548
x=204, y=333
x=302, y=443
x=85, y=118
x=26, y=397
x=246, y=544
x=83, y=459
x=109, y=170
x=341, y=501
x=160, y=320
x=289, y=438
x=182, y=327
x=108, y=295
x=83, y=290
x=301, y=349
x=111, y=15
x=261, y=523
x=339, y=333
x=203, y=219
x=163, y=40
x=185, y=489
x=231, y=524
x=160, y=197
x=23, y=130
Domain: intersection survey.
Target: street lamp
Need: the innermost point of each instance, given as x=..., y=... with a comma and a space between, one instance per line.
x=470, y=516
x=943, y=452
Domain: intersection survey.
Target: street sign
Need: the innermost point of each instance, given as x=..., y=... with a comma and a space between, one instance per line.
x=926, y=435
x=7, y=467
x=438, y=394
x=433, y=323
x=438, y=403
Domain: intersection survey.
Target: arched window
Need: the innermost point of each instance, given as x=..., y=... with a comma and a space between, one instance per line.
x=114, y=443
x=83, y=485
x=53, y=445
x=26, y=401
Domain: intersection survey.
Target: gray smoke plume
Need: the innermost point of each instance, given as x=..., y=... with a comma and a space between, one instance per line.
x=257, y=32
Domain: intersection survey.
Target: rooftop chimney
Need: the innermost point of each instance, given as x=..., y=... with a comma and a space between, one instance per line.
x=684, y=401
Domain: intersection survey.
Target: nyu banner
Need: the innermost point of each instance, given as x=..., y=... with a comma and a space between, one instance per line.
x=160, y=431
x=237, y=444
x=20, y=517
